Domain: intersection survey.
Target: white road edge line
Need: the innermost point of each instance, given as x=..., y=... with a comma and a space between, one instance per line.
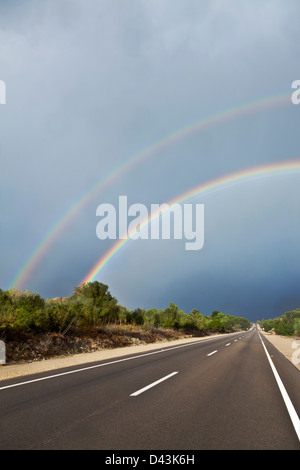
x=290, y=407
x=213, y=352
x=152, y=385
x=74, y=371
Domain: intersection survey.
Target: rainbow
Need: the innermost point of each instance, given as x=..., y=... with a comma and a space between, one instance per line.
x=216, y=184
x=44, y=245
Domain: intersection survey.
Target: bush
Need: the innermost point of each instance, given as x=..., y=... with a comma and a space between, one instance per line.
x=297, y=327
x=91, y=305
x=285, y=325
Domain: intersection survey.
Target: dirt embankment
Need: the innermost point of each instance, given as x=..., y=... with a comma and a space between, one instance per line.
x=29, y=347
x=44, y=353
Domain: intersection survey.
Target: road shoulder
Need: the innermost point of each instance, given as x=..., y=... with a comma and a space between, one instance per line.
x=289, y=346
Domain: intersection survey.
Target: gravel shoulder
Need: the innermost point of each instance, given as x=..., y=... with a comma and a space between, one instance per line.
x=289, y=346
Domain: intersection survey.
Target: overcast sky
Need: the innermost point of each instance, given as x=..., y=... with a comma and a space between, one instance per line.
x=90, y=84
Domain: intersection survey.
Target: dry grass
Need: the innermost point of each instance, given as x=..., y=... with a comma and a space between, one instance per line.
x=27, y=347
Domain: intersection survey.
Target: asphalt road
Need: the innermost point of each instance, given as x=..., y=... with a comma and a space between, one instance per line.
x=217, y=393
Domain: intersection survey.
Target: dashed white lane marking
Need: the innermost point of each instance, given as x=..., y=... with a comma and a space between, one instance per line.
x=74, y=371
x=152, y=385
x=228, y=344
x=213, y=352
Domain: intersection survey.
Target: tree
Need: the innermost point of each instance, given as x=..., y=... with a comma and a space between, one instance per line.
x=138, y=316
x=171, y=316
x=96, y=302
x=267, y=325
x=96, y=292
x=216, y=321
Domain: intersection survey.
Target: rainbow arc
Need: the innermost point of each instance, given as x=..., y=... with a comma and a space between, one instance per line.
x=216, y=184
x=43, y=247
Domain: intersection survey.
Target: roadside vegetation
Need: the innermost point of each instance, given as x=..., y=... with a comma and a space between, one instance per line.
x=287, y=324
x=91, y=319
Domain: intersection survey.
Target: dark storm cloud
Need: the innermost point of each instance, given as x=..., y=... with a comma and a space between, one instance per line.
x=90, y=84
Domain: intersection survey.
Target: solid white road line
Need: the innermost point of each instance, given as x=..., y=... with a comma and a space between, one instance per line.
x=152, y=385
x=74, y=371
x=213, y=352
x=290, y=407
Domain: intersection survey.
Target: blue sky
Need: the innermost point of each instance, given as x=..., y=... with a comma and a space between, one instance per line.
x=92, y=83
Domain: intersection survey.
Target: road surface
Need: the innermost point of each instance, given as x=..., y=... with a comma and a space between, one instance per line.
x=228, y=392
